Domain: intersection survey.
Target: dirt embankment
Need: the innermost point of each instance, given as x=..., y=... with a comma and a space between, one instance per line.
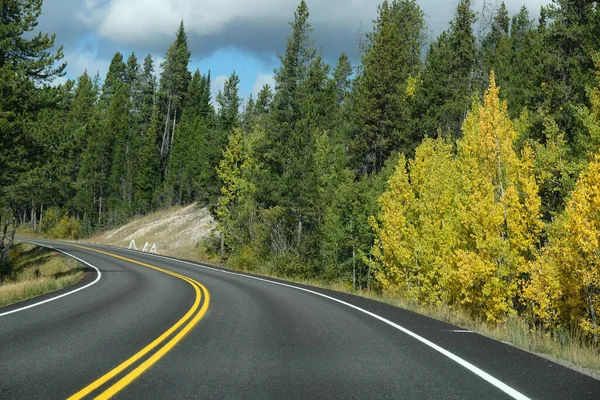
x=175, y=231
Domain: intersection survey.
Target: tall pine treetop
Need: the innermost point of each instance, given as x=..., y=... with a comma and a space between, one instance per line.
x=299, y=52
x=30, y=56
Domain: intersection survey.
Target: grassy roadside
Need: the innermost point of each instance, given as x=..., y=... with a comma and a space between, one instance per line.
x=37, y=271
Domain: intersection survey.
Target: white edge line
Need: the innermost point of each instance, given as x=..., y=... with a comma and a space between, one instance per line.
x=477, y=371
x=64, y=294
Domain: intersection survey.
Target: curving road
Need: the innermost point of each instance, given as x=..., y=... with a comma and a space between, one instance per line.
x=158, y=328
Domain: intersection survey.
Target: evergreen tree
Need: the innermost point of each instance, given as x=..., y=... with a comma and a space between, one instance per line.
x=174, y=81
x=147, y=84
x=380, y=103
x=447, y=80
x=118, y=133
x=229, y=104
x=147, y=178
x=263, y=100
x=25, y=61
x=496, y=49
x=299, y=52
x=341, y=79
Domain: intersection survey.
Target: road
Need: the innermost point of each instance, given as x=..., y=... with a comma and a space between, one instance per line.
x=149, y=327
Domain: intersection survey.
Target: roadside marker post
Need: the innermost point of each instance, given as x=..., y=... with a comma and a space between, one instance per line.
x=132, y=245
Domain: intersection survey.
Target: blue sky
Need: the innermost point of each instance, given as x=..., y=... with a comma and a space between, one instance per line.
x=224, y=35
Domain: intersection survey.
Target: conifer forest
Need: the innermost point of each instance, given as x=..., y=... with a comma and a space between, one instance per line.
x=462, y=171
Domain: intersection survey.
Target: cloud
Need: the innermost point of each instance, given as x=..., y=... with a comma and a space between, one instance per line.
x=80, y=61
x=257, y=27
x=261, y=80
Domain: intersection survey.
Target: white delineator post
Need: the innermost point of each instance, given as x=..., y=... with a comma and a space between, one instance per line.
x=132, y=245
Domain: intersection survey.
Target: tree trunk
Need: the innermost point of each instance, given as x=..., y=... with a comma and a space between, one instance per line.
x=4, y=230
x=166, y=131
x=593, y=316
x=369, y=277
x=100, y=212
x=222, y=246
x=32, y=215
x=173, y=133
x=41, y=215
x=353, y=267
x=299, y=232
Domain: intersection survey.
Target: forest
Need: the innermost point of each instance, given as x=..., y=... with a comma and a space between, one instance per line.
x=462, y=171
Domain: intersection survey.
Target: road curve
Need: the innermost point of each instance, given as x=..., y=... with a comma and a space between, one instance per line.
x=252, y=339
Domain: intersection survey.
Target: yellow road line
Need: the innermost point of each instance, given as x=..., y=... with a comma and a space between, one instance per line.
x=127, y=379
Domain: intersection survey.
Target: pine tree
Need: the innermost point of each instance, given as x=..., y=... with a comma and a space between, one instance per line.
x=174, y=81
x=263, y=100
x=147, y=83
x=391, y=61
x=117, y=132
x=25, y=61
x=186, y=154
x=447, y=80
x=496, y=48
x=229, y=104
x=299, y=52
x=341, y=79
x=147, y=178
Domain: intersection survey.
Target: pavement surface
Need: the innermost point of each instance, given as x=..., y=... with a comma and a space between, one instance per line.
x=152, y=327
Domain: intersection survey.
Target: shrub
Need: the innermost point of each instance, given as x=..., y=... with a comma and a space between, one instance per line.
x=66, y=228
x=50, y=219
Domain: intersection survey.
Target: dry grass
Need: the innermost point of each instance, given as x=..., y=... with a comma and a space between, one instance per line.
x=37, y=271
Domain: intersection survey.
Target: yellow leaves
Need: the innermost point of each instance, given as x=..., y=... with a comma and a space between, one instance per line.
x=416, y=228
x=564, y=284
x=499, y=209
x=411, y=87
x=462, y=228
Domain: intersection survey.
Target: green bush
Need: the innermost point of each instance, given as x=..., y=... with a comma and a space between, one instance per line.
x=245, y=259
x=66, y=228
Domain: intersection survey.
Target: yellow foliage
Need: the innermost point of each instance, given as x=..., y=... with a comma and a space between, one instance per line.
x=394, y=232
x=499, y=210
x=417, y=226
x=462, y=229
x=570, y=266
x=411, y=87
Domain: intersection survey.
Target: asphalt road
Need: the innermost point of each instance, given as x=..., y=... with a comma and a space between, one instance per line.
x=209, y=333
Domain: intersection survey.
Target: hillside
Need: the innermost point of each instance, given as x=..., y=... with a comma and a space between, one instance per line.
x=175, y=231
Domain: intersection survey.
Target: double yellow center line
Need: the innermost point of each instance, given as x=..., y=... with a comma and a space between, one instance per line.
x=190, y=319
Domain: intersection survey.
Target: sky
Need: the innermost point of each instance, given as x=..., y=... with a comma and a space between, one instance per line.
x=223, y=35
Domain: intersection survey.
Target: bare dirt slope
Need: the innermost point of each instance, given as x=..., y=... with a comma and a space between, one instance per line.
x=175, y=231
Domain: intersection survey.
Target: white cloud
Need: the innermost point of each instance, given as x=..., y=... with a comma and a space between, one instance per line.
x=258, y=27
x=260, y=81
x=79, y=61
x=143, y=20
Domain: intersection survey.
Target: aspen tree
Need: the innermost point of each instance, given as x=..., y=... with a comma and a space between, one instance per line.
x=499, y=210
